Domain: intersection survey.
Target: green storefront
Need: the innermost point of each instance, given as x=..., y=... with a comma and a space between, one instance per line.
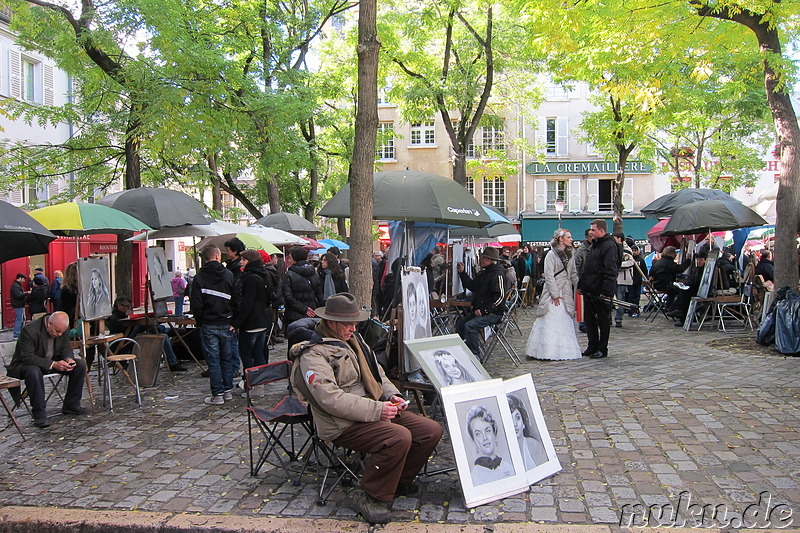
x=538, y=229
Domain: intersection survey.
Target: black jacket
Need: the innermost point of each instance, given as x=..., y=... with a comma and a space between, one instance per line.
x=766, y=268
x=488, y=289
x=600, y=267
x=301, y=289
x=277, y=285
x=31, y=349
x=212, y=299
x=17, y=295
x=36, y=299
x=664, y=271
x=339, y=284
x=254, y=297
x=637, y=277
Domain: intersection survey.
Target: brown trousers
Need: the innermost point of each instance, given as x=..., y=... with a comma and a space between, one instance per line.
x=399, y=449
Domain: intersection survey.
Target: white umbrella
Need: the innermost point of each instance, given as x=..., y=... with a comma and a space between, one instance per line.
x=275, y=236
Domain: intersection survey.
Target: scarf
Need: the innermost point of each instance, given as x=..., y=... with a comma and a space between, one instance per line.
x=529, y=264
x=489, y=462
x=369, y=376
x=329, y=289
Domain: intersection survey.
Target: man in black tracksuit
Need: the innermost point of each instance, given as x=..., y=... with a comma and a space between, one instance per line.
x=212, y=304
x=597, y=282
x=488, y=298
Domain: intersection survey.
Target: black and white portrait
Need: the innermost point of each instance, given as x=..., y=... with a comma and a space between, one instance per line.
x=489, y=463
x=95, y=295
x=416, y=306
x=531, y=435
x=447, y=361
x=159, y=275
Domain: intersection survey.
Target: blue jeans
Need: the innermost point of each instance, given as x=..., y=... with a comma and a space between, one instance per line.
x=217, y=343
x=470, y=328
x=622, y=295
x=19, y=320
x=251, y=348
x=179, y=306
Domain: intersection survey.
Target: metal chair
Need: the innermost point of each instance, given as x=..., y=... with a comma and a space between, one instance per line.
x=524, y=297
x=273, y=423
x=110, y=357
x=498, y=336
x=20, y=394
x=740, y=312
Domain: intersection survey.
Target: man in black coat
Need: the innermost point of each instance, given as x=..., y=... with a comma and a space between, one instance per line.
x=664, y=273
x=598, y=284
x=43, y=348
x=488, y=298
x=766, y=267
x=302, y=290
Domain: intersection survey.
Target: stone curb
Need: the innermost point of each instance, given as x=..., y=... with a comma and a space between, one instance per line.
x=17, y=519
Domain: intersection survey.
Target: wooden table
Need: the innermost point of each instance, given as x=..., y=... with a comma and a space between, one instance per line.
x=170, y=321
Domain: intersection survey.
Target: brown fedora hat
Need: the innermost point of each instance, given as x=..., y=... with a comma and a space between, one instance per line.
x=342, y=307
x=491, y=253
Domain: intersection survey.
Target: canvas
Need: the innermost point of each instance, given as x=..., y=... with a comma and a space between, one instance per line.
x=416, y=311
x=531, y=435
x=93, y=279
x=481, y=429
x=447, y=361
x=160, y=277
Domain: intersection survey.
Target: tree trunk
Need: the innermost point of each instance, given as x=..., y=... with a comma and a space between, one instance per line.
x=274, y=195
x=460, y=169
x=133, y=179
x=361, y=170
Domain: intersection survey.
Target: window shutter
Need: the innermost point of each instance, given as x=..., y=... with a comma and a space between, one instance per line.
x=16, y=74
x=574, y=195
x=48, y=84
x=15, y=197
x=561, y=137
x=627, y=194
x=540, y=195
x=541, y=130
x=593, y=195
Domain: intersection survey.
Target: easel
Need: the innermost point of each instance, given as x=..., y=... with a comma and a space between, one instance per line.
x=708, y=279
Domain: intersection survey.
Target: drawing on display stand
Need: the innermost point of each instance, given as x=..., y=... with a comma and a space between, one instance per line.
x=95, y=298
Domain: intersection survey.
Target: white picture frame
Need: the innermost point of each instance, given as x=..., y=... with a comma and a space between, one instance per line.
x=482, y=434
x=160, y=278
x=93, y=280
x=530, y=430
x=447, y=361
x=416, y=311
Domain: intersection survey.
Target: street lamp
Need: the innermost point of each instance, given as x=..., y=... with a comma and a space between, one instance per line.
x=559, y=205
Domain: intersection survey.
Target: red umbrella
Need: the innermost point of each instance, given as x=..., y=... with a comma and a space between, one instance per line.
x=311, y=244
x=659, y=242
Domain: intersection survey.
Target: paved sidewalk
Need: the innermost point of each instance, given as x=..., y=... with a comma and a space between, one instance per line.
x=669, y=417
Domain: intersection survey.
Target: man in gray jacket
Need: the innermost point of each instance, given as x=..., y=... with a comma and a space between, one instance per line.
x=355, y=406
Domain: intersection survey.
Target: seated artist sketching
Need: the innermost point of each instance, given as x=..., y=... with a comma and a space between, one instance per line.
x=43, y=348
x=681, y=304
x=488, y=298
x=122, y=308
x=355, y=406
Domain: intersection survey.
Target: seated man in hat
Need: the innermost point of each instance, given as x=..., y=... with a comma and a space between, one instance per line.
x=43, y=348
x=488, y=298
x=355, y=406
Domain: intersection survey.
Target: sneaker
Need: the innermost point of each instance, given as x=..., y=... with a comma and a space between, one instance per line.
x=177, y=368
x=227, y=395
x=634, y=315
x=41, y=422
x=215, y=399
x=619, y=324
x=240, y=385
x=373, y=511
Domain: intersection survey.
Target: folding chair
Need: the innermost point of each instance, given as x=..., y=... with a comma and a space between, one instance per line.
x=656, y=301
x=513, y=302
x=740, y=312
x=498, y=336
x=20, y=394
x=524, y=297
x=273, y=423
x=334, y=464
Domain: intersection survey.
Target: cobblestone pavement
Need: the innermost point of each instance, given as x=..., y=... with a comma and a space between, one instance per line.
x=669, y=417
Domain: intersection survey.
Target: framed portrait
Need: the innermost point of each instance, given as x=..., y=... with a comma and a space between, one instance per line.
x=159, y=275
x=447, y=361
x=93, y=286
x=530, y=431
x=416, y=312
x=481, y=430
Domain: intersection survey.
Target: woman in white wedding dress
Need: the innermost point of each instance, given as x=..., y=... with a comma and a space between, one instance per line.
x=553, y=334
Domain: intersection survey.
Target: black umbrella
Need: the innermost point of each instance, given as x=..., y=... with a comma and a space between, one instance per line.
x=159, y=208
x=288, y=222
x=490, y=231
x=22, y=235
x=664, y=206
x=711, y=215
x=412, y=195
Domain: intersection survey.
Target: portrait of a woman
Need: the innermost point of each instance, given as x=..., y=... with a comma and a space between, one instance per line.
x=530, y=444
x=489, y=465
x=450, y=369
